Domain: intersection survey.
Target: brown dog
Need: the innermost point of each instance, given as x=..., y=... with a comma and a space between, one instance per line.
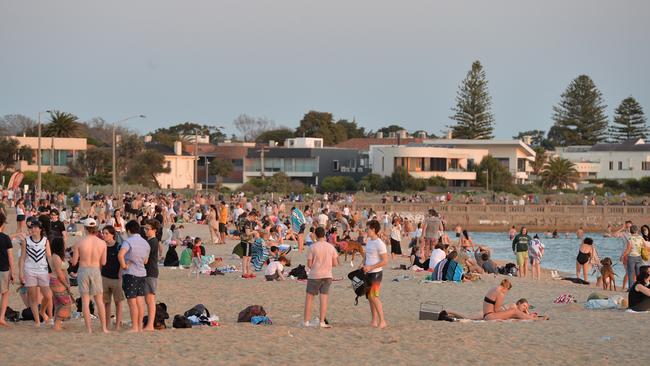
x=352, y=248
x=607, y=274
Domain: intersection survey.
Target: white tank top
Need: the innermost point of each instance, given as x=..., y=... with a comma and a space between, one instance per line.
x=19, y=211
x=35, y=259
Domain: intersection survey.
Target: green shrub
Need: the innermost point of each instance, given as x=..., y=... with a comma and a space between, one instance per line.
x=338, y=184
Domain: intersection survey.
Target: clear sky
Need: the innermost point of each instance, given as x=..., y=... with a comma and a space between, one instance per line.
x=381, y=62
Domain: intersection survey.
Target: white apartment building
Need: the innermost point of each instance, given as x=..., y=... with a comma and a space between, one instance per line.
x=626, y=160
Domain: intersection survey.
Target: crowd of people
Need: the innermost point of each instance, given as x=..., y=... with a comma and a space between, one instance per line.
x=124, y=240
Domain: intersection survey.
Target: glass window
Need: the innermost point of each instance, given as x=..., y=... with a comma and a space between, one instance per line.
x=335, y=165
x=620, y=165
x=470, y=164
x=521, y=165
x=438, y=164
x=611, y=165
x=453, y=164
x=318, y=143
x=645, y=165
x=504, y=162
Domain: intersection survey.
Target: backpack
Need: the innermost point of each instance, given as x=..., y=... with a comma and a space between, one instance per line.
x=12, y=315
x=181, y=321
x=299, y=272
x=27, y=314
x=508, y=269
x=251, y=311
x=197, y=310
x=359, y=283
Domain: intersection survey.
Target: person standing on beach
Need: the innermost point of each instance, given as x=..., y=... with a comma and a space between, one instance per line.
x=321, y=258
x=6, y=269
x=632, y=253
x=111, y=281
x=223, y=221
x=520, y=248
x=151, y=267
x=298, y=226
x=432, y=230
x=624, y=232
x=133, y=255
x=33, y=270
x=90, y=253
x=536, y=253
x=375, y=258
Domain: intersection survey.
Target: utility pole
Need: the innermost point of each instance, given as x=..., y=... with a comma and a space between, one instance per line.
x=52, y=156
x=207, y=163
x=262, y=151
x=487, y=179
x=196, y=161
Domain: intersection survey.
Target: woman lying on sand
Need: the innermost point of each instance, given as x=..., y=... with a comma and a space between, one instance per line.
x=493, y=305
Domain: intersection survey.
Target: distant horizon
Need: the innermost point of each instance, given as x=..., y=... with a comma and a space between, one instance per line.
x=377, y=62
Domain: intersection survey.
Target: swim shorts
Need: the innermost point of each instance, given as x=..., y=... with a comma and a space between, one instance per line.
x=374, y=279
x=90, y=281
x=521, y=258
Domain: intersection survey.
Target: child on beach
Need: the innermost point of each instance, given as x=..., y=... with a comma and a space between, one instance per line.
x=196, y=257
x=274, y=271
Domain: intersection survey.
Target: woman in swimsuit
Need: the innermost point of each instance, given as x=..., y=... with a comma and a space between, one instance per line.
x=59, y=284
x=584, y=259
x=493, y=302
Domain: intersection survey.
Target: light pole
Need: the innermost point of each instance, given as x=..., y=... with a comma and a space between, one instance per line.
x=207, y=164
x=114, y=142
x=38, y=179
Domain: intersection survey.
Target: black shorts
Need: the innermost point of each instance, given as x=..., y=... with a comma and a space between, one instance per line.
x=222, y=228
x=20, y=218
x=395, y=246
x=302, y=229
x=248, y=248
x=133, y=286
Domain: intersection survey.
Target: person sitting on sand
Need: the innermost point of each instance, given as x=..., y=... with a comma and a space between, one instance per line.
x=274, y=271
x=639, y=295
x=493, y=301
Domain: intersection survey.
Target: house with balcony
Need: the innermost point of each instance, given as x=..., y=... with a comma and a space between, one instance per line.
x=304, y=159
x=425, y=161
x=56, y=153
x=515, y=155
x=620, y=161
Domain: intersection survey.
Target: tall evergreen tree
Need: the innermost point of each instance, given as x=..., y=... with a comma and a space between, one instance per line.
x=473, y=115
x=580, y=116
x=629, y=121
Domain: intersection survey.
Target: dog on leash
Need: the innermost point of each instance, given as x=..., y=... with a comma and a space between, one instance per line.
x=607, y=275
x=352, y=248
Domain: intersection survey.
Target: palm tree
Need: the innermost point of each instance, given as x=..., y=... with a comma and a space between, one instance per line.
x=62, y=124
x=559, y=173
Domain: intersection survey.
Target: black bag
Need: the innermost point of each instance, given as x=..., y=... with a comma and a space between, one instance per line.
x=27, y=314
x=299, y=272
x=91, y=306
x=181, y=321
x=359, y=283
x=251, y=311
x=197, y=310
x=12, y=315
x=509, y=268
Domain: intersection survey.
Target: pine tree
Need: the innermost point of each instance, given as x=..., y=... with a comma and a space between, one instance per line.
x=629, y=121
x=473, y=107
x=580, y=116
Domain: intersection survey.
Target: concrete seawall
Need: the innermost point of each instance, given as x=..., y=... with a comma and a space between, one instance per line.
x=535, y=217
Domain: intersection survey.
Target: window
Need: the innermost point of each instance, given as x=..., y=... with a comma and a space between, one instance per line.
x=292, y=142
x=645, y=165
x=470, y=164
x=438, y=164
x=318, y=143
x=453, y=164
x=335, y=165
x=620, y=165
x=504, y=162
x=611, y=165
x=416, y=164
x=521, y=165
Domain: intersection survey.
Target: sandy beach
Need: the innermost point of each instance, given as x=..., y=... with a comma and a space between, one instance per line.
x=572, y=336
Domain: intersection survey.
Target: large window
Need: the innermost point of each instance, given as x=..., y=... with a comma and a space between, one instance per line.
x=453, y=164
x=645, y=165
x=305, y=165
x=504, y=162
x=620, y=165
x=438, y=164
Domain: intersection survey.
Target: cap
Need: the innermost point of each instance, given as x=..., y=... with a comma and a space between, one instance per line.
x=34, y=222
x=89, y=222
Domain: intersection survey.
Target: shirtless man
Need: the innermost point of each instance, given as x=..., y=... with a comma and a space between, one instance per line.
x=90, y=253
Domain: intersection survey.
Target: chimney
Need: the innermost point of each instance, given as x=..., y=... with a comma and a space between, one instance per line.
x=272, y=143
x=379, y=135
x=403, y=134
x=528, y=140
x=147, y=139
x=392, y=135
x=178, y=148
x=450, y=135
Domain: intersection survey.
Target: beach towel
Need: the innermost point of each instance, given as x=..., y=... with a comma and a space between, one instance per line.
x=565, y=299
x=260, y=253
x=438, y=272
x=453, y=271
x=297, y=220
x=261, y=320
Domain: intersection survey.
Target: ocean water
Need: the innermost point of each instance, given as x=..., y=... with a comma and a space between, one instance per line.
x=560, y=254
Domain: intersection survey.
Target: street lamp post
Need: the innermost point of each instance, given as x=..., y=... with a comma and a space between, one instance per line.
x=207, y=164
x=39, y=179
x=114, y=142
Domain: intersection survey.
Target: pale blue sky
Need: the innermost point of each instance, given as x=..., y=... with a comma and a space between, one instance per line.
x=380, y=61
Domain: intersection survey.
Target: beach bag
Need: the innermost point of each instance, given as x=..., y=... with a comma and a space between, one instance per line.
x=27, y=314
x=197, y=310
x=251, y=311
x=645, y=255
x=12, y=315
x=359, y=284
x=181, y=321
x=299, y=272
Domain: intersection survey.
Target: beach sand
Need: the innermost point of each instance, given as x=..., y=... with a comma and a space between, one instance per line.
x=572, y=336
